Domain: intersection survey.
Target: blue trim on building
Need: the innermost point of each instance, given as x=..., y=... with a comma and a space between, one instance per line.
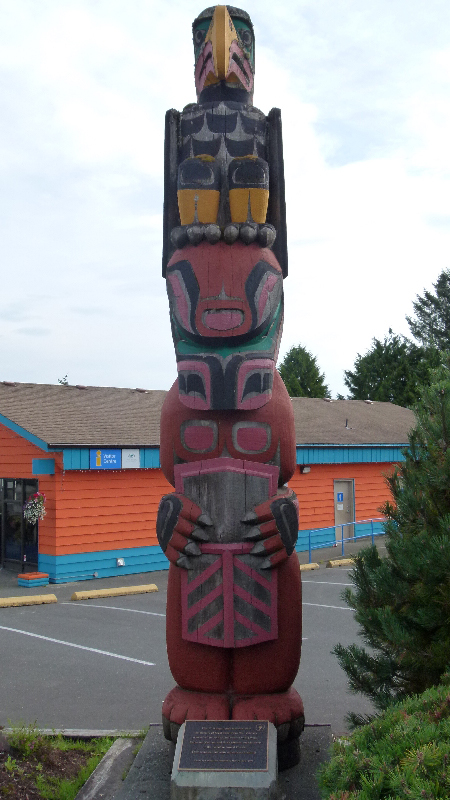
x=150, y=457
x=349, y=454
x=43, y=466
x=326, y=537
x=76, y=458
x=8, y=423
x=81, y=566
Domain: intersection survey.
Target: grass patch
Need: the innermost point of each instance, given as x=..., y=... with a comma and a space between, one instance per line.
x=38, y=767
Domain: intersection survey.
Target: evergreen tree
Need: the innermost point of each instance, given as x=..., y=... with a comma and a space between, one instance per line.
x=392, y=371
x=402, y=601
x=431, y=325
x=301, y=374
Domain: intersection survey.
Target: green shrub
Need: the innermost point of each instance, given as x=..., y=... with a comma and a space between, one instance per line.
x=402, y=601
x=403, y=754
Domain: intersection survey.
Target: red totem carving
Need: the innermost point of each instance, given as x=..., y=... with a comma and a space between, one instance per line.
x=227, y=428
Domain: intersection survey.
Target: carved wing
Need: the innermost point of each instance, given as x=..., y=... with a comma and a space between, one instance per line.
x=171, y=217
x=277, y=205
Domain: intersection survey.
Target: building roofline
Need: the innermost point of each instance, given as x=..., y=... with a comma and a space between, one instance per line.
x=8, y=423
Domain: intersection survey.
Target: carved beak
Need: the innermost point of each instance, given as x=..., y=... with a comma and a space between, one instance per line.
x=221, y=34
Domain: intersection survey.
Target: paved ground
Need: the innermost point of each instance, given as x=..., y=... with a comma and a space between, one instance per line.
x=102, y=663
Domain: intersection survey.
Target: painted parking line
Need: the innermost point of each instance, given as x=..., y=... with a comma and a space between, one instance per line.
x=319, y=605
x=113, y=608
x=329, y=583
x=78, y=646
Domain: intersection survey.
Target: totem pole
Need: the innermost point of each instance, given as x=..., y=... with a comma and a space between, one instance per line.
x=227, y=427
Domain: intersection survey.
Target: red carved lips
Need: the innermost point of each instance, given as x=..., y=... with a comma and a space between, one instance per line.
x=225, y=319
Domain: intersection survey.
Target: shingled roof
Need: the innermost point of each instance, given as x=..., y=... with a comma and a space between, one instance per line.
x=350, y=422
x=80, y=416
x=77, y=416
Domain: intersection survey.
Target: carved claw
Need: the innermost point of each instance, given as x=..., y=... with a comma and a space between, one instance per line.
x=185, y=563
x=257, y=550
x=199, y=535
x=205, y=519
x=252, y=535
x=192, y=549
x=250, y=517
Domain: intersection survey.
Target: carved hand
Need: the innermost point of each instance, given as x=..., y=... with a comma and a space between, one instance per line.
x=179, y=526
x=273, y=525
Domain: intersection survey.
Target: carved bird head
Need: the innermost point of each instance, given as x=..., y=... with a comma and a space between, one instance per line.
x=224, y=48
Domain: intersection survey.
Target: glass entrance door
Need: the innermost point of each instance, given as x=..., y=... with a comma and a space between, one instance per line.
x=18, y=537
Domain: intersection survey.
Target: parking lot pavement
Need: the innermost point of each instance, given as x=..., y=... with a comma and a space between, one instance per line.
x=102, y=663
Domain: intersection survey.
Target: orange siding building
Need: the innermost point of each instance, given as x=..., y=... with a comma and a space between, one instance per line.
x=94, y=453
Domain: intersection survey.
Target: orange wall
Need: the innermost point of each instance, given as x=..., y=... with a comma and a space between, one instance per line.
x=16, y=456
x=315, y=491
x=105, y=510
x=88, y=511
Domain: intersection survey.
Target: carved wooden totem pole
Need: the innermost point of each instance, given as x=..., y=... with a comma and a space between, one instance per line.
x=227, y=427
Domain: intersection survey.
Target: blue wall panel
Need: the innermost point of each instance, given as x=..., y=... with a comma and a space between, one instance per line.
x=150, y=457
x=76, y=458
x=43, y=466
x=349, y=455
x=81, y=566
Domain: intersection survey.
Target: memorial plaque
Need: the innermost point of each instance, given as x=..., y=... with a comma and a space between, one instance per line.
x=225, y=746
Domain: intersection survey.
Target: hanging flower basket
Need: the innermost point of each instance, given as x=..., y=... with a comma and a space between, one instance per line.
x=34, y=508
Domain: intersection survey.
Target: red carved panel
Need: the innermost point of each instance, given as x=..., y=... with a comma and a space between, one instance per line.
x=241, y=618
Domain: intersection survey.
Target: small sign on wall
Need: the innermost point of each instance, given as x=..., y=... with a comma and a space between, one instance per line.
x=130, y=459
x=105, y=458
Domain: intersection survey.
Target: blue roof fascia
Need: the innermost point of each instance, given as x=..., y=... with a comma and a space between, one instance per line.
x=8, y=423
x=349, y=454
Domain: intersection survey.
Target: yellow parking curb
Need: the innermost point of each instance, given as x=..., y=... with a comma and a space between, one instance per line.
x=341, y=562
x=149, y=587
x=27, y=600
x=305, y=567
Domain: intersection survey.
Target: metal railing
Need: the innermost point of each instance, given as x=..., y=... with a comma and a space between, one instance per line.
x=335, y=542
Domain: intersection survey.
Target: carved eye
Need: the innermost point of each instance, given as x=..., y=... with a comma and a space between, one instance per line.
x=246, y=37
x=199, y=37
x=251, y=437
x=198, y=435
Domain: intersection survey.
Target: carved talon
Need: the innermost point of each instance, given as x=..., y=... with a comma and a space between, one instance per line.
x=250, y=516
x=252, y=534
x=200, y=535
x=258, y=549
x=205, y=519
x=192, y=549
x=185, y=563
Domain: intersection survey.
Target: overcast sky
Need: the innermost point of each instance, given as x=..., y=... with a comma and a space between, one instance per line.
x=363, y=86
